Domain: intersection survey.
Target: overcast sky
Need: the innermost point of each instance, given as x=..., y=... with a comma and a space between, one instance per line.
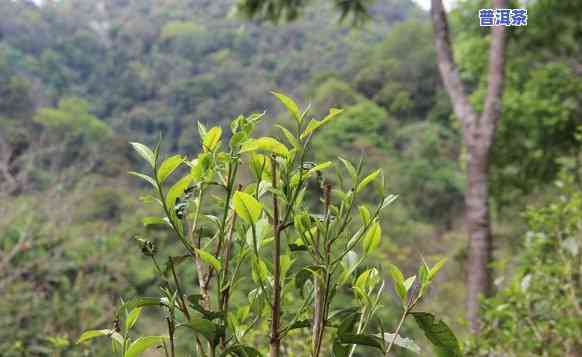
x=425, y=4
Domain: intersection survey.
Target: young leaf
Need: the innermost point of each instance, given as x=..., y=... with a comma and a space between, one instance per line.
x=177, y=190
x=260, y=272
x=290, y=104
x=320, y=167
x=132, y=318
x=372, y=238
x=398, y=280
x=87, y=335
x=144, y=177
x=403, y=342
x=364, y=214
x=388, y=200
x=363, y=340
x=435, y=269
x=367, y=279
x=265, y=143
x=439, y=334
x=292, y=139
x=423, y=276
x=408, y=282
x=150, y=221
x=211, y=139
x=202, y=131
x=351, y=169
x=143, y=343
x=247, y=207
x=208, y=258
x=371, y=177
x=145, y=153
x=169, y=166
x=139, y=302
x=316, y=124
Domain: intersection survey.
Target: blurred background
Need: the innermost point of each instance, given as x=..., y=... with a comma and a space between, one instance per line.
x=81, y=78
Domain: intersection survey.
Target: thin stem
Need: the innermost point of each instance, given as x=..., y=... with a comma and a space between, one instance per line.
x=180, y=294
x=224, y=293
x=275, y=344
x=171, y=332
x=404, y=315
x=322, y=287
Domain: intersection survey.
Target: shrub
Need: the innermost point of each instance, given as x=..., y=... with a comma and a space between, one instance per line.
x=263, y=258
x=539, y=313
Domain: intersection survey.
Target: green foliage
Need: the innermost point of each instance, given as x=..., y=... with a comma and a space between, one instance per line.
x=72, y=118
x=538, y=310
x=223, y=247
x=175, y=29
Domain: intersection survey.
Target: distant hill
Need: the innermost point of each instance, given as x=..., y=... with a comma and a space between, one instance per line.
x=147, y=68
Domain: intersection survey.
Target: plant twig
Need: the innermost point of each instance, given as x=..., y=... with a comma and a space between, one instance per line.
x=404, y=315
x=275, y=343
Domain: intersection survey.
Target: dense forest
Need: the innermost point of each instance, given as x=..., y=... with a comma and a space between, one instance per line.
x=80, y=79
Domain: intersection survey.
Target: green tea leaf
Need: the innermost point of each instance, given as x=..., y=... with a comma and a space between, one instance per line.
x=146, y=178
x=265, y=143
x=316, y=124
x=176, y=191
x=340, y=350
x=320, y=167
x=247, y=207
x=150, y=221
x=371, y=177
x=362, y=340
x=371, y=240
x=87, y=335
x=351, y=169
x=388, y=200
x=398, y=280
x=202, y=131
x=204, y=327
x=145, y=153
x=132, y=318
x=403, y=342
x=142, y=344
x=292, y=139
x=439, y=334
x=408, y=282
x=290, y=104
x=212, y=138
x=364, y=214
x=367, y=279
x=209, y=258
x=169, y=166
x=348, y=323
x=435, y=269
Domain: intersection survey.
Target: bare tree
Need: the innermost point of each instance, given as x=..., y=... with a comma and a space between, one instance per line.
x=478, y=137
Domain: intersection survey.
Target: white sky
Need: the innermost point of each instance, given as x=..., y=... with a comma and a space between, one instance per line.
x=425, y=4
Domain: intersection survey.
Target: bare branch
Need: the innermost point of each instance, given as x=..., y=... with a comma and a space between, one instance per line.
x=495, y=76
x=448, y=68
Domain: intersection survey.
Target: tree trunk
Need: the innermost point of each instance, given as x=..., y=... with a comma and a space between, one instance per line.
x=479, y=231
x=478, y=137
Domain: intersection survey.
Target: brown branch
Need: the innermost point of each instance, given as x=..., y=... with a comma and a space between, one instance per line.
x=448, y=68
x=492, y=109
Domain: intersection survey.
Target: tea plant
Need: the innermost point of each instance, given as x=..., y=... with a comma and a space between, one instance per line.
x=258, y=210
